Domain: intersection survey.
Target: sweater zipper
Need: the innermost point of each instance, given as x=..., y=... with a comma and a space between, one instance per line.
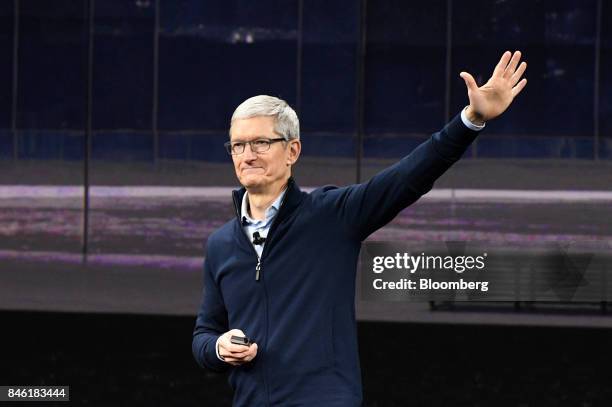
x=259, y=258
x=258, y=269
x=269, y=238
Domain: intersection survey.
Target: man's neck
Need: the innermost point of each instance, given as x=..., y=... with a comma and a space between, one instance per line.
x=260, y=200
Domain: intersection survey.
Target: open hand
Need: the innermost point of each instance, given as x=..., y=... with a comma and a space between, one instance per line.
x=493, y=98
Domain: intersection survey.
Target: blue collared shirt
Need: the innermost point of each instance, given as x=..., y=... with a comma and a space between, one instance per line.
x=251, y=225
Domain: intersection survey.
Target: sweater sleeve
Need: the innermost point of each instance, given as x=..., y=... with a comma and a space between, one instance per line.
x=364, y=208
x=211, y=322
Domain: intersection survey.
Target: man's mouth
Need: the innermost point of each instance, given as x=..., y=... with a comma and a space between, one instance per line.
x=251, y=170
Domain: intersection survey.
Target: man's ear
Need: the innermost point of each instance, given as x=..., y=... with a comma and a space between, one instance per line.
x=295, y=148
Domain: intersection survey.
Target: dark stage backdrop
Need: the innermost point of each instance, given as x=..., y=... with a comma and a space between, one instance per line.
x=128, y=102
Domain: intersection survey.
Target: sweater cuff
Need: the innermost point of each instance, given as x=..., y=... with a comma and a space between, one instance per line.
x=217, y=349
x=454, y=139
x=469, y=124
x=209, y=356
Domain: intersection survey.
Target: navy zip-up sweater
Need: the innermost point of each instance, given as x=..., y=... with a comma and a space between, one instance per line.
x=300, y=309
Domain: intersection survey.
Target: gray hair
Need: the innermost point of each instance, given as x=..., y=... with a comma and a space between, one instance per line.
x=286, y=122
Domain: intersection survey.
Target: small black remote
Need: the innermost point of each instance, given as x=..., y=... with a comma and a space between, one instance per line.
x=240, y=340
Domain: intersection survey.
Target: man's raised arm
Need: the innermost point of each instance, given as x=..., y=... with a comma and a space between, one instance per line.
x=366, y=207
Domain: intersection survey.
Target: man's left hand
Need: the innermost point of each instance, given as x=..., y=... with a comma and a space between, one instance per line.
x=493, y=98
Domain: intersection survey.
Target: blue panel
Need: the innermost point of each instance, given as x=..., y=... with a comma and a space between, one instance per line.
x=405, y=66
x=201, y=83
x=73, y=146
x=329, y=65
x=605, y=83
x=6, y=144
x=124, y=12
x=553, y=36
x=547, y=22
x=210, y=148
x=535, y=147
x=122, y=146
x=52, y=61
x=123, y=65
x=6, y=63
x=328, y=145
x=50, y=145
x=175, y=146
x=199, y=16
x=208, y=66
x=390, y=146
x=605, y=148
x=578, y=147
x=199, y=147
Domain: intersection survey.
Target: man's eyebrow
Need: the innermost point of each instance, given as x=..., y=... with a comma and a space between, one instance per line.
x=239, y=140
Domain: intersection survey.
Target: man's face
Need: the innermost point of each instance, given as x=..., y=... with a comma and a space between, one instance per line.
x=260, y=170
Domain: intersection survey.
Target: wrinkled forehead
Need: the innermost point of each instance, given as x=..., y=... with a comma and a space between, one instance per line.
x=253, y=128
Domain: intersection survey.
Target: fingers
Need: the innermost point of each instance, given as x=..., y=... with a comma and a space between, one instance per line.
x=225, y=341
x=241, y=360
x=232, y=347
x=519, y=87
x=516, y=76
x=470, y=82
x=244, y=355
x=501, y=65
x=233, y=351
x=512, y=65
x=235, y=354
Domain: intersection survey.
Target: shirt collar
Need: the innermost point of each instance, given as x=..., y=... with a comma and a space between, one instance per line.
x=269, y=214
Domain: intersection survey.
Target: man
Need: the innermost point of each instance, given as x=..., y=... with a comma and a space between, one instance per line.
x=282, y=273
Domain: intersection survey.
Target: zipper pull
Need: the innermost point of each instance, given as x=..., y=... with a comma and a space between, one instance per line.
x=257, y=269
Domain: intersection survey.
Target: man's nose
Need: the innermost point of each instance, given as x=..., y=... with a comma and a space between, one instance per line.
x=249, y=154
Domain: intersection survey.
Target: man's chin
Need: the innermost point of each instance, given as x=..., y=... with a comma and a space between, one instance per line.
x=251, y=181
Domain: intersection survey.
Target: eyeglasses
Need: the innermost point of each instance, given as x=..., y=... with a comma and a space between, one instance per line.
x=260, y=145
